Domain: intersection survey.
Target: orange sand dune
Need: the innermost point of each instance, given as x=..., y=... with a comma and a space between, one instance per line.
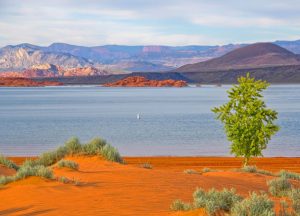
x=113, y=189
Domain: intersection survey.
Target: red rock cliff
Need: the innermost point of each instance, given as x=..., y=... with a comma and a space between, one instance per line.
x=138, y=81
x=24, y=82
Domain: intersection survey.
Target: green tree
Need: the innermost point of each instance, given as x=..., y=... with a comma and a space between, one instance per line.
x=248, y=123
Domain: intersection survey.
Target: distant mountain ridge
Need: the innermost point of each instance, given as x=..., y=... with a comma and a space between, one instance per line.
x=256, y=55
x=115, y=58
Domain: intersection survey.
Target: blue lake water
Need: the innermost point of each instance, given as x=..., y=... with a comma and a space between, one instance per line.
x=174, y=121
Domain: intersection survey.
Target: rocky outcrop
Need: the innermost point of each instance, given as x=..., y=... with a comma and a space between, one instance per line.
x=139, y=81
x=24, y=82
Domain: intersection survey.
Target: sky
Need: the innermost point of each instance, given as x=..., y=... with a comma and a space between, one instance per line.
x=148, y=22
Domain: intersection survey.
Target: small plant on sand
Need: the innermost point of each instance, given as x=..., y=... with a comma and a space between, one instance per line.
x=214, y=201
x=6, y=179
x=253, y=206
x=38, y=170
x=94, y=146
x=73, y=146
x=190, y=171
x=63, y=179
x=253, y=169
x=67, y=163
x=146, y=166
x=294, y=195
x=205, y=170
x=289, y=175
x=8, y=163
x=247, y=121
x=110, y=153
x=279, y=186
x=179, y=205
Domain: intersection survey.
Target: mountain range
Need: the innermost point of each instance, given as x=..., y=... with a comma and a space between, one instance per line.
x=115, y=58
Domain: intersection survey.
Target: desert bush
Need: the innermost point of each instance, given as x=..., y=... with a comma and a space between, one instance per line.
x=37, y=170
x=190, y=171
x=8, y=163
x=279, y=186
x=205, y=170
x=146, y=165
x=253, y=169
x=94, y=146
x=295, y=198
x=214, y=200
x=179, y=205
x=289, y=175
x=67, y=163
x=73, y=146
x=110, y=153
x=253, y=206
x=63, y=179
x=6, y=179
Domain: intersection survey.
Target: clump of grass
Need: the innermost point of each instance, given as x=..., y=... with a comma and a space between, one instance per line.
x=279, y=186
x=294, y=195
x=6, y=179
x=214, y=201
x=253, y=206
x=110, y=153
x=67, y=163
x=190, y=171
x=146, y=166
x=94, y=146
x=73, y=146
x=253, y=169
x=63, y=179
x=179, y=205
x=38, y=170
x=205, y=170
x=289, y=175
x=8, y=163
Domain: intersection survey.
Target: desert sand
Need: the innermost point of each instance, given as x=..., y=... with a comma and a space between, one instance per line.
x=108, y=188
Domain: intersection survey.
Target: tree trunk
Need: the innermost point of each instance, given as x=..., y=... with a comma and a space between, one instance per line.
x=246, y=161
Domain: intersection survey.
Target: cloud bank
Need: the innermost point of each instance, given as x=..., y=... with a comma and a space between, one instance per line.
x=140, y=22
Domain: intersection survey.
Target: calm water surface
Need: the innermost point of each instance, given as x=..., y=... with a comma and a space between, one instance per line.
x=174, y=121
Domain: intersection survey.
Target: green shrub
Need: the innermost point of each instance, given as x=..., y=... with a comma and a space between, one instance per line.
x=6, y=179
x=63, y=179
x=73, y=146
x=94, y=146
x=146, y=165
x=179, y=205
x=190, y=171
x=8, y=163
x=214, y=200
x=253, y=206
x=37, y=170
x=205, y=170
x=289, y=175
x=279, y=186
x=67, y=163
x=110, y=153
x=295, y=198
x=253, y=169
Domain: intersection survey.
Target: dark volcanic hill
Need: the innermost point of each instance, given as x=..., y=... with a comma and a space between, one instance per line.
x=257, y=55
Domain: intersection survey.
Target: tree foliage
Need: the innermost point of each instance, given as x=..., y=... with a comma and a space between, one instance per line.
x=248, y=123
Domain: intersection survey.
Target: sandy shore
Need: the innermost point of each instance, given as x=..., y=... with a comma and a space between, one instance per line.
x=108, y=188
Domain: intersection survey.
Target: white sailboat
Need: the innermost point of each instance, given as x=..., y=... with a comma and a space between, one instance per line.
x=138, y=116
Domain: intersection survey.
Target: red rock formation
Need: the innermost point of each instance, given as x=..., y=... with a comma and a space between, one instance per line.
x=138, y=81
x=24, y=82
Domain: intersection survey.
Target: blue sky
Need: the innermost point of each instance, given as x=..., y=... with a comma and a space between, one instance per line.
x=145, y=22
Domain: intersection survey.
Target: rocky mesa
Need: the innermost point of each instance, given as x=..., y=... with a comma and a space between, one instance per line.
x=24, y=82
x=139, y=81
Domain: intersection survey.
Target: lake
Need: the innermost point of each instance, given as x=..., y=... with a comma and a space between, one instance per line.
x=173, y=121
